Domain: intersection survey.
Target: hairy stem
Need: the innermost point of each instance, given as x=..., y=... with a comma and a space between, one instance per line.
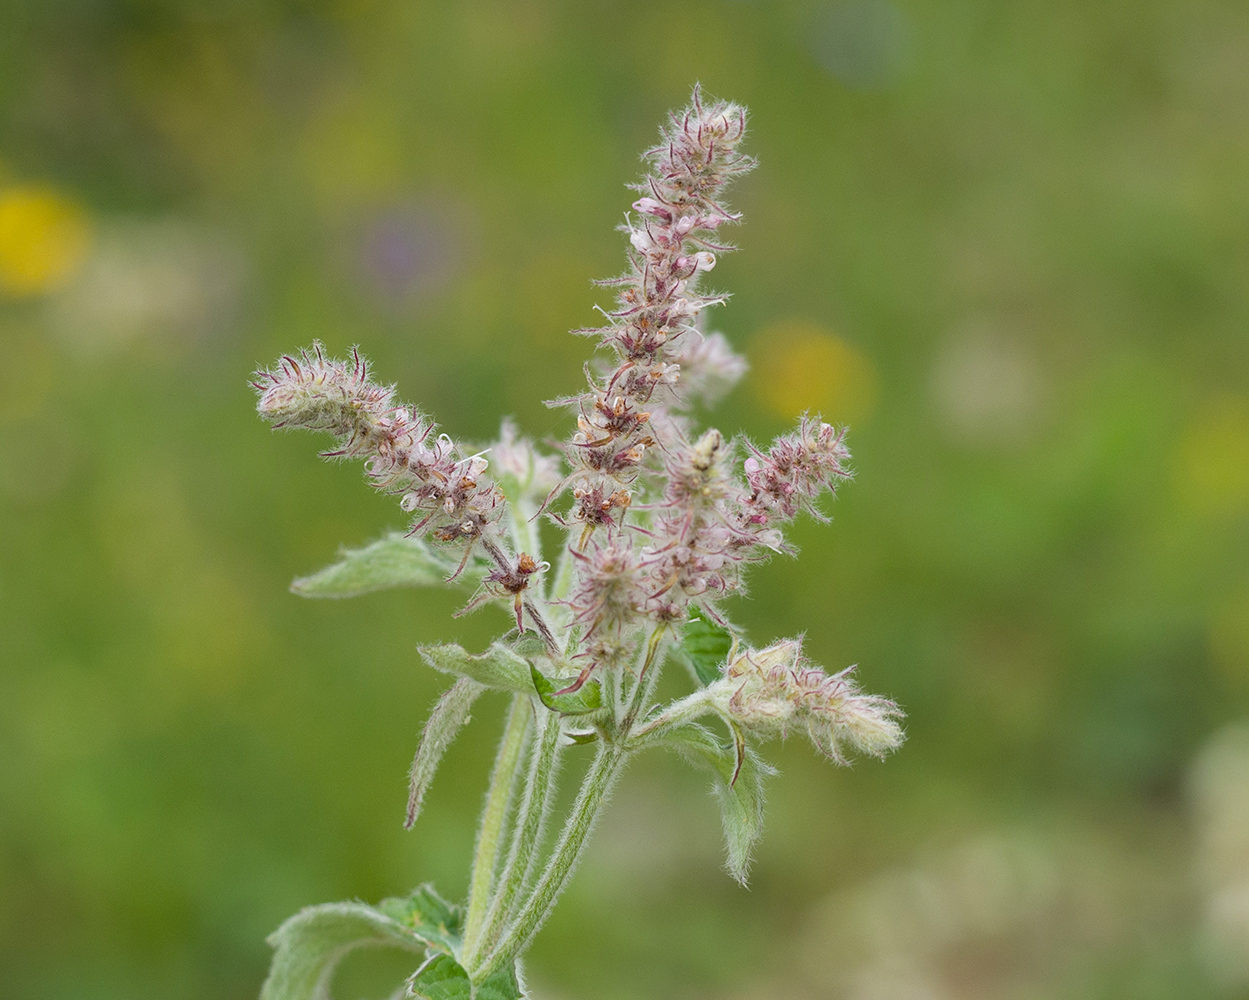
x=688, y=709
x=535, y=856
x=648, y=678
x=595, y=788
x=489, y=836
x=526, y=832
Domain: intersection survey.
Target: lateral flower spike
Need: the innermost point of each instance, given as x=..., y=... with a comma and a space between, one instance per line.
x=446, y=490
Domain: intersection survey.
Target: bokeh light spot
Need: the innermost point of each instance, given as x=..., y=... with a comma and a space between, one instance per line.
x=800, y=366
x=44, y=237
x=988, y=386
x=1212, y=468
x=150, y=280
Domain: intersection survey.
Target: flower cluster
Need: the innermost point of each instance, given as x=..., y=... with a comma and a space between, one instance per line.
x=766, y=691
x=663, y=522
x=702, y=514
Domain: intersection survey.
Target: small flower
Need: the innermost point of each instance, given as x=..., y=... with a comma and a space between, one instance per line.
x=697, y=477
x=767, y=691
x=512, y=581
x=610, y=588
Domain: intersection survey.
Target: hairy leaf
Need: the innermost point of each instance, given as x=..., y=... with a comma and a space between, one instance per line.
x=442, y=978
x=503, y=985
x=498, y=667
x=739, y=776
x=444, y=723
x=430, y=917
x=393, y=561
x=584, y=701
x=706, y=646
x=309, y=946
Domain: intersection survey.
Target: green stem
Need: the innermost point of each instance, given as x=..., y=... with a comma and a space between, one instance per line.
x=526, y=832
x=594, y=790
x=689, y=708
x=502, y=781
x=644, y=686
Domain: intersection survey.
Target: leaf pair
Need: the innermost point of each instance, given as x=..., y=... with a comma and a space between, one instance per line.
x=310, y=945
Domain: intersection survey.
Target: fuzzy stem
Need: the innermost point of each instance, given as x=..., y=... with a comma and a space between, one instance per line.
x=648, y=678
x=689, y=708
x=597, y=785
x=535, y=856
x=525, y=833
x=502, y=781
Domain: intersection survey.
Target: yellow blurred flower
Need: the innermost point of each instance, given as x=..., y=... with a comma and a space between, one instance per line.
x=44, y=237
x=800, y=366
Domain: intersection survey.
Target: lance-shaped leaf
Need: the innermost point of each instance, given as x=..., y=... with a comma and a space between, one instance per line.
x=393, y=561
x=427, y=915
x=739, y=775
x=586, y=700
x=445, y=721
x=309, y=946
x=442, y=978
x=705, y=646
x=498, y=667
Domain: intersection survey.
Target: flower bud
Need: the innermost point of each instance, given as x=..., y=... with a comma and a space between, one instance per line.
x=768, y=690
x=650, y=206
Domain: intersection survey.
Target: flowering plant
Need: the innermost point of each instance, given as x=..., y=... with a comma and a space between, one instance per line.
x=663, y=523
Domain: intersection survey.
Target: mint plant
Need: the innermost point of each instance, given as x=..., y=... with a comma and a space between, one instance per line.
x=660, y=523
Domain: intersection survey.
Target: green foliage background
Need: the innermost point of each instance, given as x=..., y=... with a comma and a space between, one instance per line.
x=1015, y=240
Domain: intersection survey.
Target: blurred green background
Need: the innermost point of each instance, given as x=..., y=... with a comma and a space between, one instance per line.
x=1007, y=243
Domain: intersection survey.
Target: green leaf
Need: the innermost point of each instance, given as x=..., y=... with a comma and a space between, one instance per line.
x=706, y=646
x=502, y=985
x=739, y=777
x=584, y=701
x=527, y=644
x=309, y=946
x=445, y=721
x=442, y=978
x=430, y=917
x=498, y=667
x=393, y=561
